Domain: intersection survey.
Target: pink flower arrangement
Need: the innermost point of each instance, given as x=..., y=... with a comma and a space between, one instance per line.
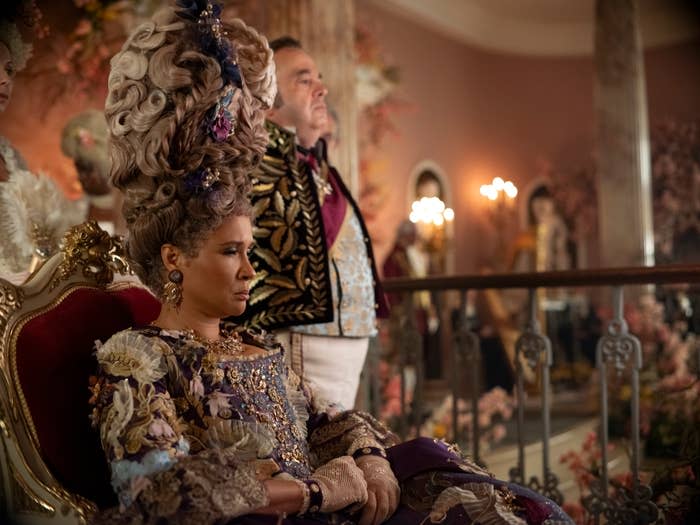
x=495, y=408
x=669, y=413
x=391, y=392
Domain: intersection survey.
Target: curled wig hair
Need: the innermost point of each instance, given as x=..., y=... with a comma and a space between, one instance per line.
x=20, y=51
x=161, y=88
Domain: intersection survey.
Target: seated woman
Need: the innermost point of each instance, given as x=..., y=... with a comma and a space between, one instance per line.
x=202, y=423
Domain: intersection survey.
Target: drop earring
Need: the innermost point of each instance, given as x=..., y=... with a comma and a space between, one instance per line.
x=172, y=290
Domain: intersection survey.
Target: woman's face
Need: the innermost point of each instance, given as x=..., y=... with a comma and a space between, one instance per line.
x=91, y=179
x=7, y=76
x=216, y=283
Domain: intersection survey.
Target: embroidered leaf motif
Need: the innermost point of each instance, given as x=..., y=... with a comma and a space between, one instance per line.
x=285, y=296
x=289, y=243
x=292, y=212
x=262, y=294
x=261, y=233
x=270, y=258
x=263, y=188
x=281, y=281
x=259, y=277
x=283, y=187
x=260, y=206
x=271, y=223
x=276, y=239
x=300, y=274
x=270, y=161
x=279, y=204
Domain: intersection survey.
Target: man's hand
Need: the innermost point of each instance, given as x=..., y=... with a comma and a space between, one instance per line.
x=382, y=490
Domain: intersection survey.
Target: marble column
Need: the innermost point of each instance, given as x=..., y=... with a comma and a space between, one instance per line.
x=624, y=165
x=326, y=29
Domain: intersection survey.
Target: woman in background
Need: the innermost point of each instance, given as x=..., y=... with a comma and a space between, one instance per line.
x=34, y=213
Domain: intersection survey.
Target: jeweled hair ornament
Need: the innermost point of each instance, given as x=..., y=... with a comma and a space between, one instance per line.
x=212, y=37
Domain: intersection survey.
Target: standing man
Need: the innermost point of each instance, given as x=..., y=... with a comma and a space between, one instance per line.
x=316, y=282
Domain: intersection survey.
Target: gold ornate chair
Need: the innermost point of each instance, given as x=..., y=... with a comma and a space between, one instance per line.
x=52, y=469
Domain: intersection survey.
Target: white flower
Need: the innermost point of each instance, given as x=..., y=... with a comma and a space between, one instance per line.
x=197, y=388
x=370, y=85
x=130, y=354
x=118, y=416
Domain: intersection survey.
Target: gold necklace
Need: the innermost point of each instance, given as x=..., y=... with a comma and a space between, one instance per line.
x=229, y=344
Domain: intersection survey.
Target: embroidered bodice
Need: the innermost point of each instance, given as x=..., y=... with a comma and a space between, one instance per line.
x=211, y=392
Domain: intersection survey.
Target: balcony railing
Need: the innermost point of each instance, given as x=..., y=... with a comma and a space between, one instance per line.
x=617, y=349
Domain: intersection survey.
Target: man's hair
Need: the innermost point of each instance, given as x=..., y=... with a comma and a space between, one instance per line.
x=285, y=42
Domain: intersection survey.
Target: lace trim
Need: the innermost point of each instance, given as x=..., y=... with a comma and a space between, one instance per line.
x=203, y=489
x=347, y=433
x=298, y=401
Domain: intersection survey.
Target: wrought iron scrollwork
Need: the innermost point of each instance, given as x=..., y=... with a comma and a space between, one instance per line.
x=536, y=349
x=619, y=349
x=549, y=488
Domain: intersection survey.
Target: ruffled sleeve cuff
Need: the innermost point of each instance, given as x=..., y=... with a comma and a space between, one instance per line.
x=206, y=488
x=350, y=433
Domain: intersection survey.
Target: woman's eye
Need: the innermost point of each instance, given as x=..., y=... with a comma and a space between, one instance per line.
x=10, y=70
x=231, y=251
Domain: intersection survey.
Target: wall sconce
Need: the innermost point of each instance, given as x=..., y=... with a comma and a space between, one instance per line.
x=499, y=188
x=502, y=194
x=433, y=220
x=430, y=210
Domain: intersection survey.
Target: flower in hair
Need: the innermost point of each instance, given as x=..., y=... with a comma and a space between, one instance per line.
x=222, y=122
x=201, y=180
x=212, y=38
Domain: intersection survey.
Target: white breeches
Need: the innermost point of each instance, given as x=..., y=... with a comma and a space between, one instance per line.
x=331, y=365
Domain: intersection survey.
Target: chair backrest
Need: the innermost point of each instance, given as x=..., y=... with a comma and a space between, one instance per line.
x=52, y=461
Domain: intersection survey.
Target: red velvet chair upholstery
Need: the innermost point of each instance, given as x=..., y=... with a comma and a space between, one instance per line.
x=53, y=462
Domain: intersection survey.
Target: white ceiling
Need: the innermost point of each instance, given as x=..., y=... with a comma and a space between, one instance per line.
x=542, y=27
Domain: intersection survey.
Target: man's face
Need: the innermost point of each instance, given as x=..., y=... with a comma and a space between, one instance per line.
x=302, y=93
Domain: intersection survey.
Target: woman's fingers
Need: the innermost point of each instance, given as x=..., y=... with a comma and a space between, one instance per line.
x=394, y=497
x=369, y=510
x=382, y=512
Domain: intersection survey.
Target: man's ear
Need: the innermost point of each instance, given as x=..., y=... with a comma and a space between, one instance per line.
x=171, y=256
x=271, y=114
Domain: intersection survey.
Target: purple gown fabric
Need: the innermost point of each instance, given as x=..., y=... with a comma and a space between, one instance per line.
x=426, y=465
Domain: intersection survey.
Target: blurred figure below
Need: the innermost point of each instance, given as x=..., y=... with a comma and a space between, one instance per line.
x=84, y=139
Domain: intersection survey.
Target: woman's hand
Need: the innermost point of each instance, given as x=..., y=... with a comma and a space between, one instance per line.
x=382, y=490
x=342, y=484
